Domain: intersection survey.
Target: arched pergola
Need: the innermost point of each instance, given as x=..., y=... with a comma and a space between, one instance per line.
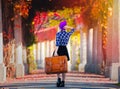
x=91, y=46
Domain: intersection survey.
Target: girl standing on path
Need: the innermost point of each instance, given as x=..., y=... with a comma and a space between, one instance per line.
x=62, y=38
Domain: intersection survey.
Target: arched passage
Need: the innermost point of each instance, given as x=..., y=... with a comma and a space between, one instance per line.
x=97, y=20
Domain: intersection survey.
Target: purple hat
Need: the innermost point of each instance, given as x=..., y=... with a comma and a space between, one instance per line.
x=62, y=24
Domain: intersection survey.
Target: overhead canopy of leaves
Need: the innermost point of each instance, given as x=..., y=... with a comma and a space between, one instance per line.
x=67, y=14
x=94, y=11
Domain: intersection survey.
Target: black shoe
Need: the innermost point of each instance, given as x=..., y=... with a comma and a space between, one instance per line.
x=62, y=84
x=58, y=82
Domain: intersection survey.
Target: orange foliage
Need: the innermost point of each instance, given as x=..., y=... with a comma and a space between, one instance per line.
x=94, y=11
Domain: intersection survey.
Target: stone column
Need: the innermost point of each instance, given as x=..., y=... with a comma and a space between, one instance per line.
x=95, y=33
x=100, y=51
x=109, y=47
x=115, y=41
x=35, y=51
x=73, y=55
x=69, y=62
x=83, y=51
x=119, y=41
x=38, y=51
x=25, y=59
x=97, y=50
x=52, y=47
x=88, y=67
x=40, y=62
x=47, y=48
x=2, y=66
x=42, y=54
x=18, y=40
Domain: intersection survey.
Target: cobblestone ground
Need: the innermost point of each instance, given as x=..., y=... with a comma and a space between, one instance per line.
x=74, y=80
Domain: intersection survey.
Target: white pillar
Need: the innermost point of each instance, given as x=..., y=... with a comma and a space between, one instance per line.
x=47, y=48
x=38, y=54
x=52, y=47
x=18, y=40
x=24, y=57
x=89, y=64
x=115, y=41
x=40, y=63
x=83, y=51
x=109, y=47
x=97, y=50
x=119, y=42
x=42, y=54
x=2, y=66
x=95, y=32
x=73, y=55
x=69, y=62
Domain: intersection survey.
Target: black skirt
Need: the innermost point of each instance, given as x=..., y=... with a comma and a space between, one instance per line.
x=62, y=51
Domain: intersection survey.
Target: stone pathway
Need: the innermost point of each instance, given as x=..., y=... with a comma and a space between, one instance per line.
x=74, y=80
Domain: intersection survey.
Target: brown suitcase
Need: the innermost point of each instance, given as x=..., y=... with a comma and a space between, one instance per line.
x=56, y=64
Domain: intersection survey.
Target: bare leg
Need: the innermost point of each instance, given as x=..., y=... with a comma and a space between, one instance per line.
x=63, y=80
x=63, y=76
x=58, y=75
